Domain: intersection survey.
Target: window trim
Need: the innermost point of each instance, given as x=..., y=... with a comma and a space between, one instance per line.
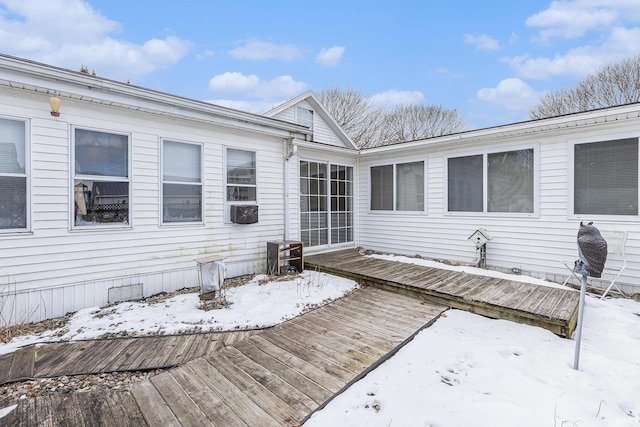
x=162, y=182
x=395, y=211
x=485, y=186
x=73, y=175
x=27, y=175
x=228, y=203
x=571, y=143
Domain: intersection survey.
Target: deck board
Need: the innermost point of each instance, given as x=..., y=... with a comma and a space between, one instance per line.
x=548, y=307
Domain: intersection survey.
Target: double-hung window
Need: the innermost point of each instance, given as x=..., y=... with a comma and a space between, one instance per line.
x=101, y=178
x=398, y=187
x=181, y=182
x=13, y=175
x=605, y=178
x=498, y=182
x=241, y=176
x=326, y=203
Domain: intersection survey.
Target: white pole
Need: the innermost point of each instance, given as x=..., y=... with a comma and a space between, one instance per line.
x=583, y=292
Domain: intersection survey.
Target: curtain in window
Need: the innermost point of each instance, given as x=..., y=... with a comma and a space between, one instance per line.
x=510, y=181
x=465, y=184
x=410, y=186
x=606, y=178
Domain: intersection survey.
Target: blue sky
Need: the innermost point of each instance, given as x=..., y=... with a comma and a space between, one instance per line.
x=490, y=60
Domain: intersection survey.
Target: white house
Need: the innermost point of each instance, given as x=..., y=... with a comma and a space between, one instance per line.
x=529, y=185
x=120, y=193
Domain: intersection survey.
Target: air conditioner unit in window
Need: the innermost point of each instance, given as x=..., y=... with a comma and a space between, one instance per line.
x=244, y=214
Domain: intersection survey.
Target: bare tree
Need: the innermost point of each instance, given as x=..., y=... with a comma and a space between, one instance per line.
x=370, y=126
x=409, y=122
x=353, y=112
x=613, y=84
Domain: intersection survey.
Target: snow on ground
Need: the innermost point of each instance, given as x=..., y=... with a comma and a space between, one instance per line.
x=253, y=305
x=465, y=370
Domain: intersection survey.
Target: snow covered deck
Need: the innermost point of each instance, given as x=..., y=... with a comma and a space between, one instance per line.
x=549, y=307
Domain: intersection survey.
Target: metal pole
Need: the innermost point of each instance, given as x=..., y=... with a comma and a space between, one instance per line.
x=583, y=292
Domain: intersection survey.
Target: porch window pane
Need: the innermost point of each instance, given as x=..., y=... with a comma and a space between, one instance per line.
x=13, y=177
x=410, y=186
x=13, y=202
x=241, y=176
x=382, y=188
x=465, y=184
x=606, y=178
x=101, y=189
x=510, y=181
x=182, y=162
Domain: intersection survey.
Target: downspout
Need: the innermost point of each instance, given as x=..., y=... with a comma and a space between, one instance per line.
x=290, y=150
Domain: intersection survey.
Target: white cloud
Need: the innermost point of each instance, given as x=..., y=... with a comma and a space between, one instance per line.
x=205, y=54
x=391, y=98
x=257, y=50
x=621, y=43
x=572, y=19
x=253, y=87
x=330, y=57
x=233, y=82
x=70, y=33
x=482, y=42
x=511, y=93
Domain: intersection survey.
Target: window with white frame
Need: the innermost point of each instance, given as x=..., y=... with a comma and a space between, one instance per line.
x=304, y=117
x=398, y=187
x=101, y=179
x=508, y=176
x=606, y=178
x=13, y=175
x=241, y=176
x=326, y=203
x=181, y=182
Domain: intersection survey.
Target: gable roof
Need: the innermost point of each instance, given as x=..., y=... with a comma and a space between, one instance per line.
x=319, y=108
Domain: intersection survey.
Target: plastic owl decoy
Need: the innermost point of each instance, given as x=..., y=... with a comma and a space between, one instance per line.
x=592, y=251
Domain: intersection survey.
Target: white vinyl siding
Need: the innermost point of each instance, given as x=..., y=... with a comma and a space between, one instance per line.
x=181, y=182
x=13, y=176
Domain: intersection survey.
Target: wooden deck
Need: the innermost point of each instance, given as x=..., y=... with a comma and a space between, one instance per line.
x=111, y=355
x=276, y=377
x=550, y=308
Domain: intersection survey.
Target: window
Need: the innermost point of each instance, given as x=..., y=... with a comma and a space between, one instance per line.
x=326, y=203
x=181, y=182
x=398, y=187
x=506, y=178
x=241, y=176
x=101, y=183
x=304, y=117
x=13, y=175
x=606, y=178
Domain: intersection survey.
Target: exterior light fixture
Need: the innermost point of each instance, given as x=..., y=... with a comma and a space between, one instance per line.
x=55, y=103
